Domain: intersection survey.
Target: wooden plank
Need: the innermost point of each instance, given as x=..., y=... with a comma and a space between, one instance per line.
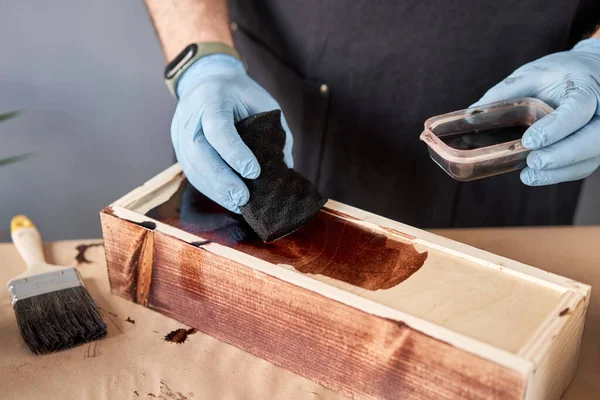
x=499, y=311
x=569, y=251
x=555, y=354
x=346, y=349
x=482, y=349
x=365, y=259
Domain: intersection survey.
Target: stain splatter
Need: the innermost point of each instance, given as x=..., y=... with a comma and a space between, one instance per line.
x=154, y=331
x=131, y=321
x=16, y=367
x=179, y=335
x=136, y=393
x=564, y=312
x=311, y=392
x=113, y=314
x=166, y=393
x=81, y=249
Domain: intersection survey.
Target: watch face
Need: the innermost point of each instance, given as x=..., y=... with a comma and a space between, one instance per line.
x=180, y=61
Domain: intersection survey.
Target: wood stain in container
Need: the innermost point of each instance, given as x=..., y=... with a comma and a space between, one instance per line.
x=329, y=244
x=482, y=141
x=484, y=138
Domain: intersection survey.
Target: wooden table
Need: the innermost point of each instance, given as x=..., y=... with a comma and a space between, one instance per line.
x=135, y=361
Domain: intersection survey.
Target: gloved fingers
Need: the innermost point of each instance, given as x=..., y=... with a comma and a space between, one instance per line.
x=518, y=84
x=576, y=108
x=207, y=171
x=219, y=129
x=572, y=172
x=289, y=143
x=580, y=146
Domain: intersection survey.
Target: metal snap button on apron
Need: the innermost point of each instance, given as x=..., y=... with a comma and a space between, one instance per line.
x=324, y=89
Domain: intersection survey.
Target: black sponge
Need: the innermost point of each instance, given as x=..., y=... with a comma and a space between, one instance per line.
x=281, y=200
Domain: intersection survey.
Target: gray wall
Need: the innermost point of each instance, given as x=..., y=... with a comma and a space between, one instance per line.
x=97, y=114
x=88, y=75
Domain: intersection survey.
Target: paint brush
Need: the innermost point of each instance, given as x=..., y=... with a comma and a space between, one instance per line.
x=54, y=310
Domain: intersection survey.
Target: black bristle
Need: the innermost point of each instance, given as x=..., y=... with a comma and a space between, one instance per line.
x=58, y=320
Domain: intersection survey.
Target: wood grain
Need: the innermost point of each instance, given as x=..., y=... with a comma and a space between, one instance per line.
x=133, y=249
x=348, y=350
x=144, y=264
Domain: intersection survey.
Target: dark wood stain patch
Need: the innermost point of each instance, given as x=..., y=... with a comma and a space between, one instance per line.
x=147, y=224
x=332, y=244
x=81, y=249
x=179, y=335
x=131, y=321
x=202, y=243
x=564, y=312
x=343, y=250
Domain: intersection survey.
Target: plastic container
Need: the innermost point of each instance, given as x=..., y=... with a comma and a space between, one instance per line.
x=470, y=144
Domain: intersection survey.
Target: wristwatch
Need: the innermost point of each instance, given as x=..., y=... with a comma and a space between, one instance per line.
x=191, y=53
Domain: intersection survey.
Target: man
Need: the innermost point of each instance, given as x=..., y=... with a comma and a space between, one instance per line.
x=357, y=79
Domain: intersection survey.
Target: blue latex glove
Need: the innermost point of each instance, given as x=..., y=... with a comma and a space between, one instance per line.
x=566, y=143
x=214, y=93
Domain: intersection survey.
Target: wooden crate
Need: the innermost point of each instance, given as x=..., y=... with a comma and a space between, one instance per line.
x=361, y=304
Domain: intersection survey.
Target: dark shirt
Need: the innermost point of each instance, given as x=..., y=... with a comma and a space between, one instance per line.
x=356, y=79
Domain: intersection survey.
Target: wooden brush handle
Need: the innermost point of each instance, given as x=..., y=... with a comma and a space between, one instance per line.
x=27, y=240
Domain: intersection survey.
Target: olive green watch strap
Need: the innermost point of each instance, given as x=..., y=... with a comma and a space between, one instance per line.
x=175, y=69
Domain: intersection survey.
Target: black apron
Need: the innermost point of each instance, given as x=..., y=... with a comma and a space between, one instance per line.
x=357, y=79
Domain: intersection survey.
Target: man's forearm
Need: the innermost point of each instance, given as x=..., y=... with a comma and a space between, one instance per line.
x=181, y=22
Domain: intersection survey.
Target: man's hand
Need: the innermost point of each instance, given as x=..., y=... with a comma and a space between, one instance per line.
x=214, y=93
x=566, y=143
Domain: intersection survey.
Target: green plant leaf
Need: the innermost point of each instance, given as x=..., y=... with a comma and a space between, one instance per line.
x=9, y=115
x=14, y=159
